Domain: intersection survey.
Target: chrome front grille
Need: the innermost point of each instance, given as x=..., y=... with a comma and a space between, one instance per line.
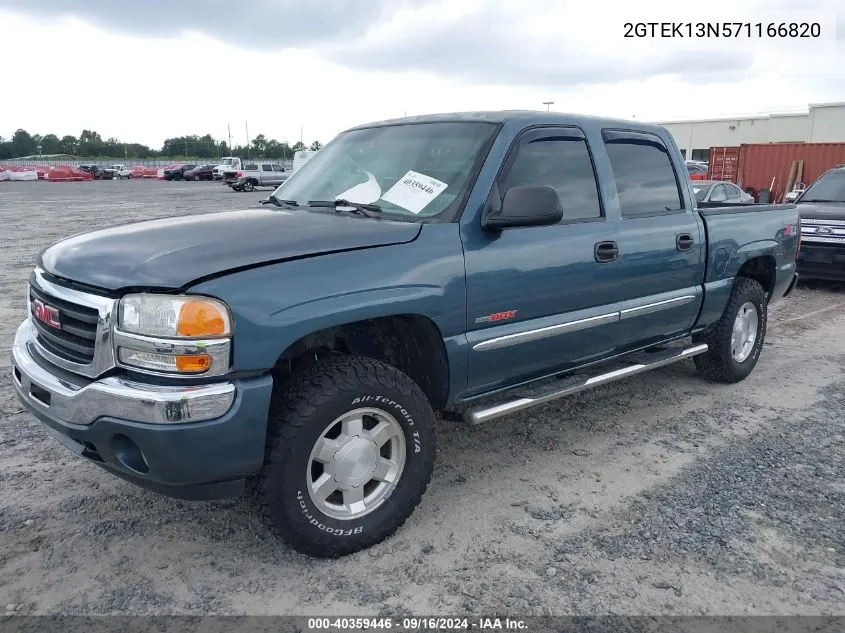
x=79, y=339
x=823, y=231
x=76, y=334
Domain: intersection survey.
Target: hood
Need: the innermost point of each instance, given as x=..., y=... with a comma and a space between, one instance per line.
x=171, y=253
x=821, y=210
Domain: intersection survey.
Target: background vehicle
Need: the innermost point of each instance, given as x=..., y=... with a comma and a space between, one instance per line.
x=822, y=210
x=301, y=157
x=697, y=171
x=95, y=170
x=258, y=175
x=227, y=163
x=200, y=172
x=118, y=171
x=406, y=269
x=177, y=172
x=720, y=191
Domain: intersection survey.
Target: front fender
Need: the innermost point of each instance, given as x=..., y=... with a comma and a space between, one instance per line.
x=276, y=305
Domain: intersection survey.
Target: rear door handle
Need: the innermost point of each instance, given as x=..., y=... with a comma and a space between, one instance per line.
x=684, y=242
x=606, y=251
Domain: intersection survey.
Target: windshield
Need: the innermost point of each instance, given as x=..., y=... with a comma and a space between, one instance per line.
x=829, y=188
x=227, y=161
x=417, y=169
x=700, y=193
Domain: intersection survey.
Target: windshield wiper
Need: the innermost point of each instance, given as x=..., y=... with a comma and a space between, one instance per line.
x=366, y=210
x=272, y=199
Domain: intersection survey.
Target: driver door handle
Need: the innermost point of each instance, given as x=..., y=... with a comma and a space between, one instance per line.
x=684, y=242
x=606, y=252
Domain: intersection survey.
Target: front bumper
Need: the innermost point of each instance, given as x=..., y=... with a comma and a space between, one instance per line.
x=822, y=261
x=191, y=442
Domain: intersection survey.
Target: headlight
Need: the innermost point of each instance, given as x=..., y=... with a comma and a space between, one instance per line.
x=174, y=316
x=174, y=334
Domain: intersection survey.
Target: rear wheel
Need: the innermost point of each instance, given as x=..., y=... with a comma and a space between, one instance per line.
x=737, y=339
x=349, y=455
x=249, y=186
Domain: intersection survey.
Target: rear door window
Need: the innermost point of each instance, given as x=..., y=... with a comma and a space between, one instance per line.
x=719, y=194
x=645, y=178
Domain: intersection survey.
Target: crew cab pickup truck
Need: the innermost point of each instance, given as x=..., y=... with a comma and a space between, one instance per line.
x=117, y=172
x=472, y=265
x=256, y=175
x=822, y=211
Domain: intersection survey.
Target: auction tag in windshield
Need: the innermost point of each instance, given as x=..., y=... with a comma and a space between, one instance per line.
x=414, y=191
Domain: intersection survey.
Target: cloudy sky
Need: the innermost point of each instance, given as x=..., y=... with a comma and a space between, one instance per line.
x=145, y=70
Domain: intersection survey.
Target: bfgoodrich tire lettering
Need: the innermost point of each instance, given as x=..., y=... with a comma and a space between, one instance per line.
x=720, y=362
x=300, y=414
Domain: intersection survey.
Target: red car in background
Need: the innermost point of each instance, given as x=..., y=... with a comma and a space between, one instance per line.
x=200, y=172
x=697, y=171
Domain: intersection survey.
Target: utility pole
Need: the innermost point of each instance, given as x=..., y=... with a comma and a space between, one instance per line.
x=301, y=135
x=248, y=153
x=229, y=127
x=547, y=104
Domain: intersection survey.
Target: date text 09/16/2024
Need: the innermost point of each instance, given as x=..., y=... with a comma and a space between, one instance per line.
x=416, y=624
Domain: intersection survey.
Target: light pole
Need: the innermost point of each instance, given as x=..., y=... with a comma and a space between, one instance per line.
x=547, y=104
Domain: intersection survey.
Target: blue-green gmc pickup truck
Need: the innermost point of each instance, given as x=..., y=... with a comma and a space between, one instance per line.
x=410, y=267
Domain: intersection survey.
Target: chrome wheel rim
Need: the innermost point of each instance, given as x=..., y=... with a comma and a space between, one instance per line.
x=744, y=332
x=356, y=463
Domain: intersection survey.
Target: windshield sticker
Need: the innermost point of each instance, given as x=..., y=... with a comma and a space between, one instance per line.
x=364, y=193
x=696, y=189
x=414, y=191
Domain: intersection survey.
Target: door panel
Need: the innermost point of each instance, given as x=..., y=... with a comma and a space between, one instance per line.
x=563, y=302
x=538, y=301
x=661, y=244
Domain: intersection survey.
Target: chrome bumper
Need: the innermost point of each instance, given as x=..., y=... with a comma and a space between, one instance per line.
x=71, y=399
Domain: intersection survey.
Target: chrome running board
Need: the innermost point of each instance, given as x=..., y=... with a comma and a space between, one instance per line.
x=478, y=415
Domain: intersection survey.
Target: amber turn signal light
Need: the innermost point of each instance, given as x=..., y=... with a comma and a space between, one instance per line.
x=193, y=363
x=201, y=318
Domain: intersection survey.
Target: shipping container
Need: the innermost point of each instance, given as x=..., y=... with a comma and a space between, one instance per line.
x=723, y=163
x=767, y=166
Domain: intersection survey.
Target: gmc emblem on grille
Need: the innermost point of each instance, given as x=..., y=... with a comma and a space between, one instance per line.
x=46, y=314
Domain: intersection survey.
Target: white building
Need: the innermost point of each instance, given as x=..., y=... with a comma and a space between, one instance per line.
x=822, y=123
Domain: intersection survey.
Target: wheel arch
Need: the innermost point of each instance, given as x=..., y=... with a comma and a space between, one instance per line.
x=411, y=343
x=762, y=270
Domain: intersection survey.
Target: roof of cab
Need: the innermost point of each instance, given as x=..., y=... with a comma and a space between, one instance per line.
x=528, y=117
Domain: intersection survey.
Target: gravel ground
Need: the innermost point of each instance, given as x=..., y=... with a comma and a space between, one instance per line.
x=662, y=494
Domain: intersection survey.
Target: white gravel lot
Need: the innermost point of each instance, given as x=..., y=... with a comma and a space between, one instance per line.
x=662, y=494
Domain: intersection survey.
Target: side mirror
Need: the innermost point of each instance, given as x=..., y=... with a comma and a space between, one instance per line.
x=532, y=205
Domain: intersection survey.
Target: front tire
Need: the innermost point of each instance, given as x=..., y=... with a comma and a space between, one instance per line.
x=350, y=452
x=737, y=339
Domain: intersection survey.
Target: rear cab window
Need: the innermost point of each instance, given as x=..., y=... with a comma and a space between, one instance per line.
x=646, y=181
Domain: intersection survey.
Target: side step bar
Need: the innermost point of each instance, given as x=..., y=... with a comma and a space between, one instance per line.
x=482, y=414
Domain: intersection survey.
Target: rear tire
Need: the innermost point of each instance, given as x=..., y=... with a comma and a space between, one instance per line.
x=248, y=186
x=735, y=342
x=350, y=452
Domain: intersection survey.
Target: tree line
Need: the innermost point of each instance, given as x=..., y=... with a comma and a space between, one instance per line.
x=90, y=144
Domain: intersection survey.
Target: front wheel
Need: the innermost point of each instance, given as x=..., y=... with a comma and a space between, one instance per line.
x=737, y=339
x=350, y=452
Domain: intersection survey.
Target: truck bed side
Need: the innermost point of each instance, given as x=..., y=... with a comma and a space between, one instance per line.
x=758, y=241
